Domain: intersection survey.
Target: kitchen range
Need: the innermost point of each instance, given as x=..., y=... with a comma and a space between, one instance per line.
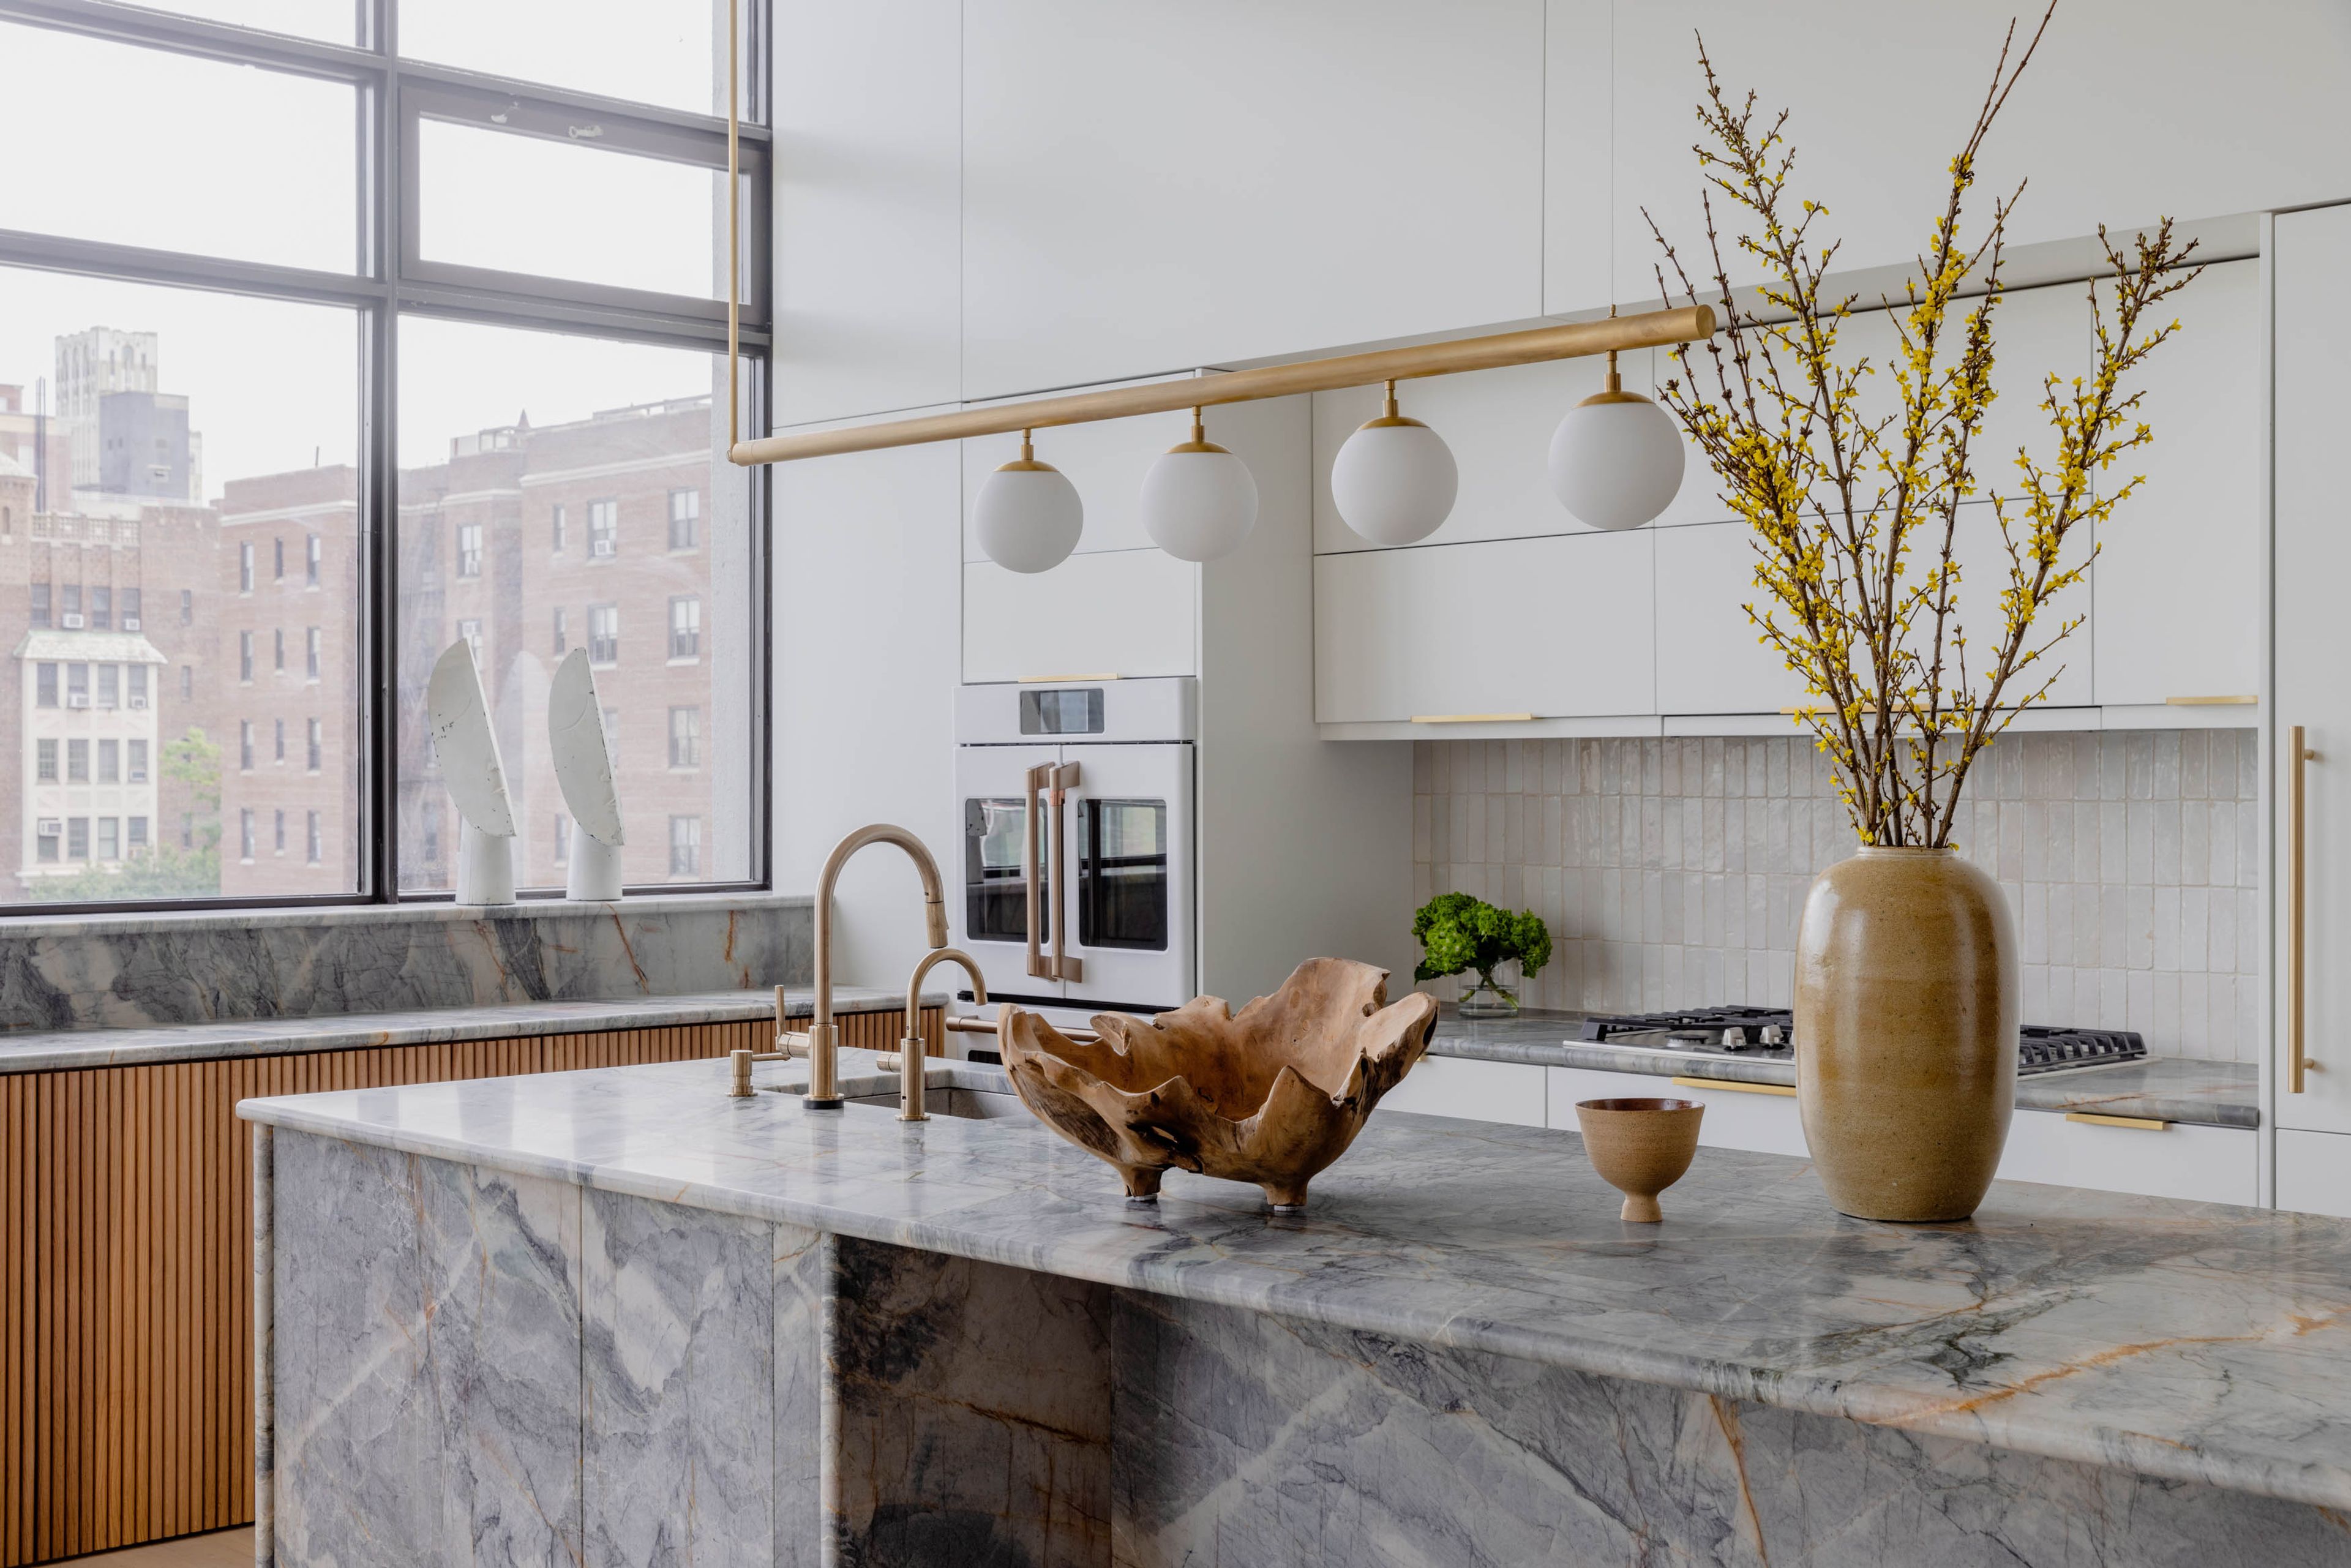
x=1737, y=1033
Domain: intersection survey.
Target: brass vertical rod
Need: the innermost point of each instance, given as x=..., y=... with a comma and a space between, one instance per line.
x=734, y=222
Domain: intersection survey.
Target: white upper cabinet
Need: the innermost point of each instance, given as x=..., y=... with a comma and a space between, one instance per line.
x=1709, y=660
x=2130, y=109
x=1150, y=189
x=1498, y=425
x=2179, y=569
x=1556, y=627
x=1579, y=110
x=1113, y=613
x=868, y=195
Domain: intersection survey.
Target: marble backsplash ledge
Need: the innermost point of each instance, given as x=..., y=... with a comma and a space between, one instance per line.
x=151, y=970
x=1672, y=871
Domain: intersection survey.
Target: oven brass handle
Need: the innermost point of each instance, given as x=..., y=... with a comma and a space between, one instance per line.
x=1788, y=1090
x=1039, y=780
x=2296, y=1062
x=1064, y=779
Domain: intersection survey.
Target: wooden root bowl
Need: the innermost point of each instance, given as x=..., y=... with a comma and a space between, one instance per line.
x=1271, y=1096
x=1640, y=1147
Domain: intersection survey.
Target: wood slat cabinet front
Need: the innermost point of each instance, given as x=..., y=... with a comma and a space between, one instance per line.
x=126, y=1256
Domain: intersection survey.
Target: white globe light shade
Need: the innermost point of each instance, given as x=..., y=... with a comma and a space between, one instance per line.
x=1028, y=515
x=1616, y=460
x=1199, y=502
x=1395, y=481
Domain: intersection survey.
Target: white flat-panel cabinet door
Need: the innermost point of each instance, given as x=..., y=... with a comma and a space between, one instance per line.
x=2314, y=1172
x=1121, y=612
x=1148, y=188
x=1464, y=1086
x=2182, y=1160
x=1709, y=658
x=2178, y=576
x=2311, y=674
x=1557, y=628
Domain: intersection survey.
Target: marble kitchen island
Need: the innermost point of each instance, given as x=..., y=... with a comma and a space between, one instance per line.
x=616, y=1317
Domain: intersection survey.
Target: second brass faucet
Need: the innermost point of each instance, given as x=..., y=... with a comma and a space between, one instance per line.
x=822, y=1041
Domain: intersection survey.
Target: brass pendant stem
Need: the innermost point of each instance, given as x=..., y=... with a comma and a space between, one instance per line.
x=1028, y=452
x=1200, y=430
x=1388, y=410
x=1615, y=381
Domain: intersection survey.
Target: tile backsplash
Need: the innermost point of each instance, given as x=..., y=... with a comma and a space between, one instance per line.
x=1671, y=872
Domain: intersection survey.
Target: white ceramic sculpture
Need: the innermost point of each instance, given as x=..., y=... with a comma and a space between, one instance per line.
x=584, y=767
x=476, y=779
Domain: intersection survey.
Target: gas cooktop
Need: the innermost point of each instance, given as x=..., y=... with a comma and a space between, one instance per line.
x=1768, y=1034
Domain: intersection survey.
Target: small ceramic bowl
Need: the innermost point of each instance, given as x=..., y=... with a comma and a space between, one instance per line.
x=1640, y=1147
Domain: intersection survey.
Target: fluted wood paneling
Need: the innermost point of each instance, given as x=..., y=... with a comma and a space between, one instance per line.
x=126, y=1247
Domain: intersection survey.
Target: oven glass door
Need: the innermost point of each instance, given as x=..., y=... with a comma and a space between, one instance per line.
x=991, y=913
x=1130, y=905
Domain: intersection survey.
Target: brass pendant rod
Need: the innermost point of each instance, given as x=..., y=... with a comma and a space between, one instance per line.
x=734, y=225
x=1653, y=329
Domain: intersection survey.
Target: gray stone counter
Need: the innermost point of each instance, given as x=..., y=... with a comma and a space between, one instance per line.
x=774, y=1335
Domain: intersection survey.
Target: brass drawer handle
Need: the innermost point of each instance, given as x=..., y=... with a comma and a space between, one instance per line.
x=2092, y=1119
x=2211, y=702
x=1784, y=1089
x=1473, y=718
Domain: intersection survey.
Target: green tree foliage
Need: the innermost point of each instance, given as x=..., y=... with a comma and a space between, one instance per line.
x=1456, y=932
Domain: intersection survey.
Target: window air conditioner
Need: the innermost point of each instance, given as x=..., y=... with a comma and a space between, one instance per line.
x=76, y=699
x=602, y=546
x=70, y=621
x=51, y=828
x=130, y=623
x=138, y=702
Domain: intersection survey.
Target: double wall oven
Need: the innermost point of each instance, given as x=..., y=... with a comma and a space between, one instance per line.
x=1076, y=802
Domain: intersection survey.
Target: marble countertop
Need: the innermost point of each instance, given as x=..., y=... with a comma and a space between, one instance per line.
x=2162, y=1088
x=2192, y=1342
x=53, y=1050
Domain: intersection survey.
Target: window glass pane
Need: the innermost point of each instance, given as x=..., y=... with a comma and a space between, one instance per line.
x=521, y=204
x=498, y=428
x=147, y=432
x=174, y=153
x=669, y=52
x=334, y=21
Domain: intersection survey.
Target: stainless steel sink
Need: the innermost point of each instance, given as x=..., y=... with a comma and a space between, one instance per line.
x=969, y=1090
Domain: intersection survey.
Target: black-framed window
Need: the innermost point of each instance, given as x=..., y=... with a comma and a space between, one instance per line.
x=395, y=231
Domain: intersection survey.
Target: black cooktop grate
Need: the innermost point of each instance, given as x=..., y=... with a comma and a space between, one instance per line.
x=2041, y=1048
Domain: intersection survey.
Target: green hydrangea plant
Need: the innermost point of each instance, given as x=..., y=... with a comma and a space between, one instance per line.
x=1459, y=932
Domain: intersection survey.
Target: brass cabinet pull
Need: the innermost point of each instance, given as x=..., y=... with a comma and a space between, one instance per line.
x=1473, y=718
x=1784, y=1090
x=2093, y=1118
x=2296, y=1063
x=2211, y=702
x=1041, y=779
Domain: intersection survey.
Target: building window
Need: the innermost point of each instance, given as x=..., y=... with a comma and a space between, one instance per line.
x=245, y=657
x=684, y=518
x=109, y=762
x=278, y=845
x=554, y=529
x=130, y=621
x=137, y=675
x=138, y=762
x=685, y=737
x=471, y=631
x=603, y=633
x=562, y=639
x=281, y=740
x=317, y=745
x=77, y=838
x=187, y=683
x=310, y=560
x=603, y=530
x=110, y=843
x=430, y=817
x=686, y=627
x=45, y=762
x=187, y=829
x=469, y=550
x=187, y=606
x=245, y=567
x=245, y=745
x=686, y=846
x=279, y=638
x=39, y=610
x=314, y=842
x=77, y=761
x=135, y=839
x=311, y=651
x=562, y=839
x=244, y=834
x=102, y=608
x=46, y=842
x=77, y=685
x=45, y=686
x=69, y=605
x=110, y=685
x=278, y=561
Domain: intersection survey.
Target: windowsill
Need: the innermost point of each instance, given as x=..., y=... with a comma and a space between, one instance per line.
x=687, y=662
x=437, y=907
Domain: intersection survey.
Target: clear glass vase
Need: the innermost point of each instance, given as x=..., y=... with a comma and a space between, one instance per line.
x=1490, y=998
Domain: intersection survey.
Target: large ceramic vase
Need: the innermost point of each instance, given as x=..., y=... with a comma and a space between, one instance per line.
x=1905, y=1032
